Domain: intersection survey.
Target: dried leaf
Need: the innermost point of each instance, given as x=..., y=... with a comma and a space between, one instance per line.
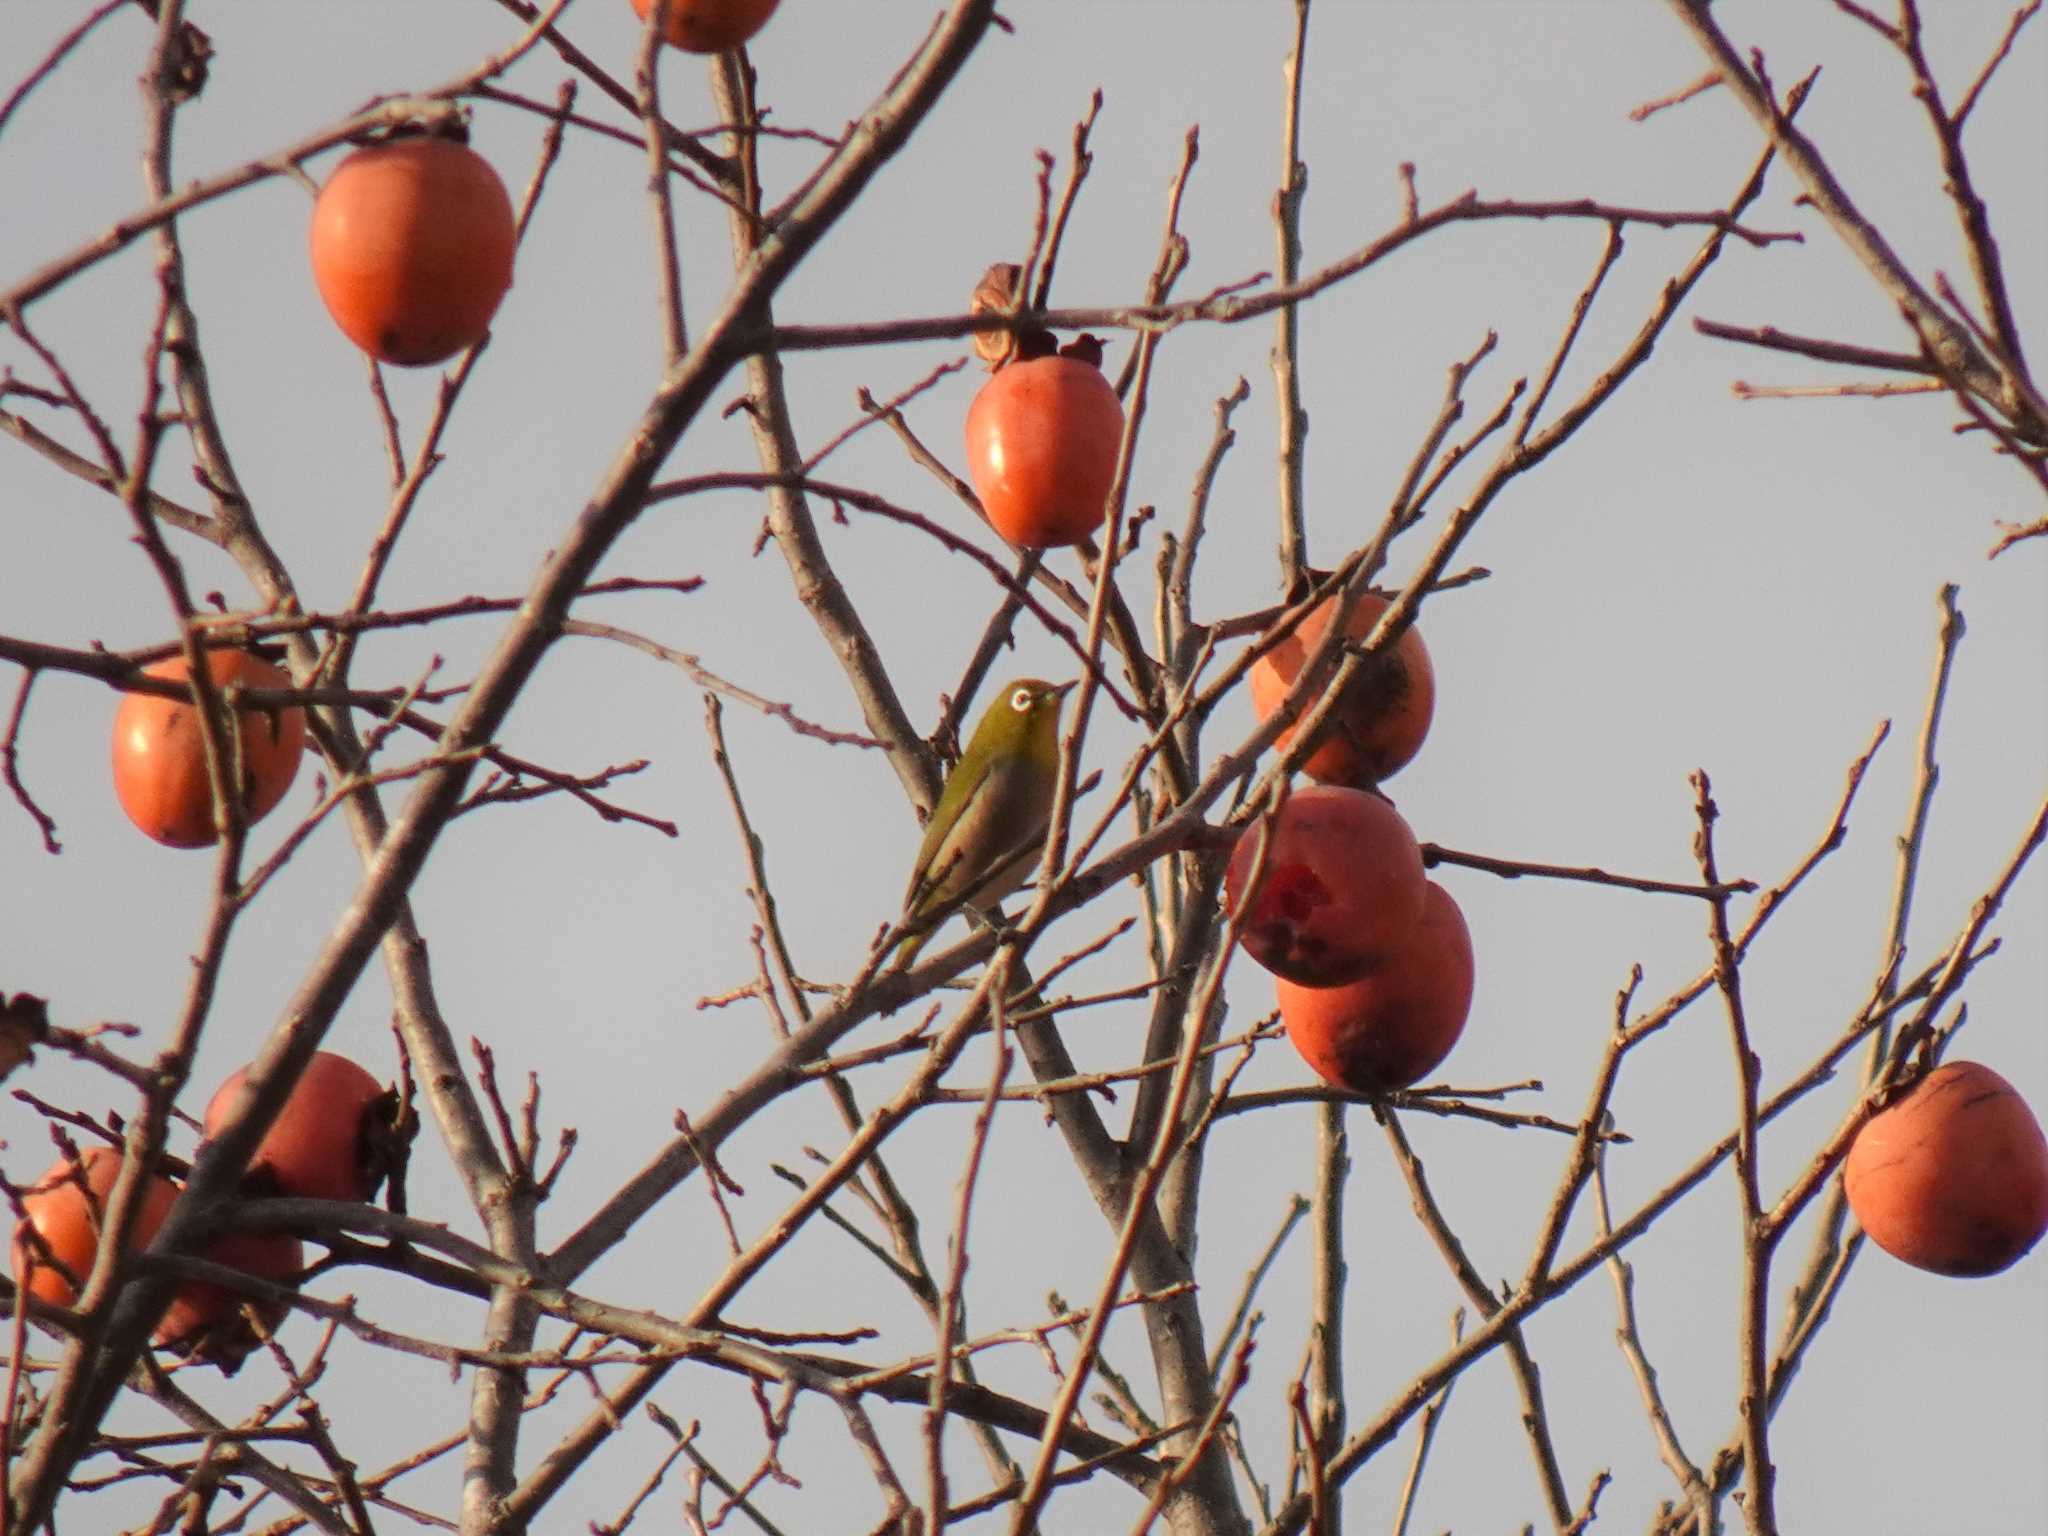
x=24, y=1024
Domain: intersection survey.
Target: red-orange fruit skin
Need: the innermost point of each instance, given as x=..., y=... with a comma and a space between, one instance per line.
x=1342, y=887
x=1381, y=721
x=1392, y=1027
x=70, y=1223
x=209, y=1315
x=709, y=26
x=412, y=244
x=314, y=1149
x=1953, y=1176
x=70, y=1226
x=159, y=753
x=1042, y=439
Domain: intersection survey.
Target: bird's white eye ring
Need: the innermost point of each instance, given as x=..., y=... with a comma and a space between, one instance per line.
x=1020, y=699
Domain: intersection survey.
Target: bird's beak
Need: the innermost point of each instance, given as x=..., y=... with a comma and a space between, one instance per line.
x=1065, y=688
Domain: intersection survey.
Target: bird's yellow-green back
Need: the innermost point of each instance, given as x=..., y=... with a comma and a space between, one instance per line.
x=987, y=830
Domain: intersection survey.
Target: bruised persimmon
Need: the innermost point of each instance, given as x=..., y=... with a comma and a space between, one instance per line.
x=159, y=751
x=709, y=26
x=66, y=1208
x=1383, y=716
x=1952, y=1176
x=324, y=1143
x=1342, y=886
x=1042, y=439
x=1389, y=1028
x=412, y=245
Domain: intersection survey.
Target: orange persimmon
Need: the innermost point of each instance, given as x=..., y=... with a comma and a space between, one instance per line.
x=709, y=26
x=66, y=1208
x=1042, y=440
x=412, y=244
x=323, y=1143
x=1390, y=1027
x=1953, y=1175
x=205, y=1321
x=159, y=751
x=1381, y=720
x=1342, y=886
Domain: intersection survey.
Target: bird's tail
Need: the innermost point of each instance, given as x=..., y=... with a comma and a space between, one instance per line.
x=907, y=949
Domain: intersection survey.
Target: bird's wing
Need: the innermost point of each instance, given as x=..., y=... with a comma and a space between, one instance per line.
x=962, y=861
x=964, y=804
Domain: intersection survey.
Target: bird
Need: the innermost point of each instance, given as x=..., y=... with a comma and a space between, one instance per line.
x=988, y=829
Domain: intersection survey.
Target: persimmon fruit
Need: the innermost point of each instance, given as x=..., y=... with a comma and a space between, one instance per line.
x=66, y=1208
x=1380, y=721
x=159, y=751
x=325, y=1142
x=205, y=1321
x=412, y=244
x=1341, y=888
x=1952, y=1176
x=1042, y=439
x=709, y=26
x=1389, y=1028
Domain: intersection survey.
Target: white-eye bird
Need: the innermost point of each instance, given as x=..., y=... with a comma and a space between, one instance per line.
x=988, y=829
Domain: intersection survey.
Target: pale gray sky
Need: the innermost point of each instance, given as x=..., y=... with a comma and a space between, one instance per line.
x=1693, y=582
